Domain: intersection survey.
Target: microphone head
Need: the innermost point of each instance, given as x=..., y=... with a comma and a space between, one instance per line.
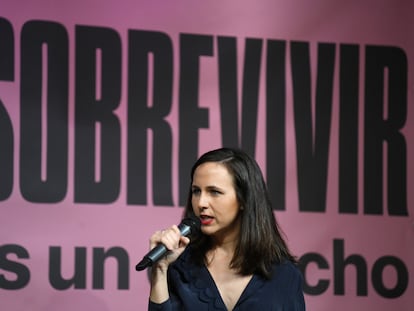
x=194, y=223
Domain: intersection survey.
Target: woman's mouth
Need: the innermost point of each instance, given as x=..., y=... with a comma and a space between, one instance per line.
x=206, y=220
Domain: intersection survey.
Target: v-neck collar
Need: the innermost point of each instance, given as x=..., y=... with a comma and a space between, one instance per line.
x=203, y=285
x=252, y=286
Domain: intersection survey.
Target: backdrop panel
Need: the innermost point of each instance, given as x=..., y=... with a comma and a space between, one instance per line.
x=105, y=106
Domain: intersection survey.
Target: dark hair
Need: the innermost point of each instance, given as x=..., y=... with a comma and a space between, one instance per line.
x=260, y=242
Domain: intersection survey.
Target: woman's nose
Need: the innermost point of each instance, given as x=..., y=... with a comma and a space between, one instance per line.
x=202, y=201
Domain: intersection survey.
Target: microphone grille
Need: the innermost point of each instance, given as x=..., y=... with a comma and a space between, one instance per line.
x=193, y=222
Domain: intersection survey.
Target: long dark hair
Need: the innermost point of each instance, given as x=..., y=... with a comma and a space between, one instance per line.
x=260, y=243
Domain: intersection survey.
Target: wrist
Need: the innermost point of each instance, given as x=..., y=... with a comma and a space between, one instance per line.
x=159, y=284
x=159, y=268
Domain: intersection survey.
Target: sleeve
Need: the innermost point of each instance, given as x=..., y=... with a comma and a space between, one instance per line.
x=165, y=306
x=297, y=302
x=177, y=291
x=173, y=303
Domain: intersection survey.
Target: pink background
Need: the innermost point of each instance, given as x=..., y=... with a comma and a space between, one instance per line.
x=36, y=227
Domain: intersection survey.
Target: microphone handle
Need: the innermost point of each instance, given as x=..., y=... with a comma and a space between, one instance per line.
x=159, y=251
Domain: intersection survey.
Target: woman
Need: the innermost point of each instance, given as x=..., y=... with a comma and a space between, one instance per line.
x=239, y=261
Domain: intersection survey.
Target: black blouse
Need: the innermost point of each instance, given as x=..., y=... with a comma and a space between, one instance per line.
x=192, y=288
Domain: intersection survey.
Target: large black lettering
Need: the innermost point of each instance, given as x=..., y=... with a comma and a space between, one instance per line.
x=250, y=95
x=191, y=116
x=385, y=116
x=312, y=145
x=97, y=128
x=144, y=116
x=6, y=127
x=227, y=61
x=340, y=263
x=402, y=277
x=44, y=111
x=99, y=258
x=348, y=128
x=228, y=91
x=57, y=281
x=276, y=123
x=6, y=50
x=21, y=271
x=321, y=263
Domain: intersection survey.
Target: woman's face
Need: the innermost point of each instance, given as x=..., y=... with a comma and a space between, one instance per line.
x=214, y=200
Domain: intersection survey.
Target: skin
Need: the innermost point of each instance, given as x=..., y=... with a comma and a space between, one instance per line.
x=213, y=195
x=214, y=200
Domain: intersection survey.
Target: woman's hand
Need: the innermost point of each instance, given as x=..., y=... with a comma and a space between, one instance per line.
x=172, y=239
x=175, y=243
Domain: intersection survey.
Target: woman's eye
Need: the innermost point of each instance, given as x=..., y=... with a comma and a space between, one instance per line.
x=195, y=191
x=215, y=192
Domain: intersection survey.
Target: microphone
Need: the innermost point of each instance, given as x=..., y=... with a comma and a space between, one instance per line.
x=188, y=226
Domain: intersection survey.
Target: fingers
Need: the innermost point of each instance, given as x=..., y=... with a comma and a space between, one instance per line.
x=184, y=241
x=170, y=237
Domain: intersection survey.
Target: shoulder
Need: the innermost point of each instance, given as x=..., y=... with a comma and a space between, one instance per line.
x=282, y=291
x=288, y=267
x=288, y=274
x=287, y=280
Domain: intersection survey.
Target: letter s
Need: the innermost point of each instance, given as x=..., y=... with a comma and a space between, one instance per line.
x=22, y=272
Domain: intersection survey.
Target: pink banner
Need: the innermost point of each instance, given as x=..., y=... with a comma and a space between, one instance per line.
x=104, y=107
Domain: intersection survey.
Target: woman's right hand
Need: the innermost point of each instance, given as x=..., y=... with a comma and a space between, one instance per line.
x=172, y=239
